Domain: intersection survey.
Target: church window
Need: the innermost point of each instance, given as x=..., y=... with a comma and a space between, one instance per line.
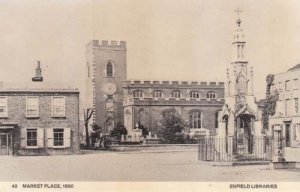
x=137, y=94
x=141, y=114
x=176, y=94
x=195, y=119
x=216, y=119
x=194, y=95
x=109, y=69
x=157, y=94
x=211, y=95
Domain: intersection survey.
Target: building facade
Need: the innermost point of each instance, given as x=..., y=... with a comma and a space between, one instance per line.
x=39, y=121
x=198, y=103
x=286, y=120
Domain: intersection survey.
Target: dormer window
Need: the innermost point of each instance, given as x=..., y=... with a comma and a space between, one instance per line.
x=176, y=94
x=211, y=95
x=194, y=95
x=138, y=94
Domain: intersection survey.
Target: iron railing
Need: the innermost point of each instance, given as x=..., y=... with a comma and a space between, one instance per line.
x=213, y=148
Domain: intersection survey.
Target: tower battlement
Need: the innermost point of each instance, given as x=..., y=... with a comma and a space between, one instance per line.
x=107, y=44
x=202, y=84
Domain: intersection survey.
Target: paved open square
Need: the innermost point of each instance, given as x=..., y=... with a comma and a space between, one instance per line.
x=133, y=166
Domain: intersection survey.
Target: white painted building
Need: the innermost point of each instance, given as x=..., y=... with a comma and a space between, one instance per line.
x=286, y=119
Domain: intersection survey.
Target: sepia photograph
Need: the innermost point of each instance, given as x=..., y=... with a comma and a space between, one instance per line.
x=148, y=95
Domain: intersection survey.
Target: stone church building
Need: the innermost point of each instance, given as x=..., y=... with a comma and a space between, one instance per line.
x=115, y=99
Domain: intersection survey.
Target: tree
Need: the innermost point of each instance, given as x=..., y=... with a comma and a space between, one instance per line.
x=144, y=129
x=269, y=104
x=95, y=134
x=118, y=130
x=269, y=108
x=171, y=128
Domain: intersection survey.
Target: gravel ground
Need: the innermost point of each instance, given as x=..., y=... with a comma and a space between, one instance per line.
x=138, y=166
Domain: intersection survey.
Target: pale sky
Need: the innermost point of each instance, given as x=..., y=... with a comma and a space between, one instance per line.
x=166, y=39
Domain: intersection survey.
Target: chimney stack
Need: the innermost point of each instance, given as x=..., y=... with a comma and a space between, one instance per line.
x=38, y=73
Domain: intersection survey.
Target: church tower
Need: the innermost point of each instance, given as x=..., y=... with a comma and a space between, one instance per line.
x=105, y=73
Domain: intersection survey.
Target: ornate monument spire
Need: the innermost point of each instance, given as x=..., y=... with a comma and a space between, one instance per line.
x=239, y=39
x=240, y=75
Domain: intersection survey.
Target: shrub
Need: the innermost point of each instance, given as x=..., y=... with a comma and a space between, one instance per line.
x=171, y=128
x=118, y=130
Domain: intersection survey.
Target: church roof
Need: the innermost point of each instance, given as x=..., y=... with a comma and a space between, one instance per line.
x=295, y=67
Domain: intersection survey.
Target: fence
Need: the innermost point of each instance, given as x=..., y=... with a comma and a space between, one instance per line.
x=258, y=148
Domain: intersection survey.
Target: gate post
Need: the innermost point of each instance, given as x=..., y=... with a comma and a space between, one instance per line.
x=230, y=147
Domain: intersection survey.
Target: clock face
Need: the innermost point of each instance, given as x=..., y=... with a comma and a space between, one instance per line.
x=109, y=88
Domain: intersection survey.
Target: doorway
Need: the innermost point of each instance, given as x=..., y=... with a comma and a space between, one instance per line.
x=5, y=144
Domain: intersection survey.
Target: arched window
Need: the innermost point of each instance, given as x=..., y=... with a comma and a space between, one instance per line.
x=157, y=94
x=109, y=69
x=176, y=94
x=194, y=95
x=211, y=95
x=141, y=114
x=195, y=119
x=138, y=94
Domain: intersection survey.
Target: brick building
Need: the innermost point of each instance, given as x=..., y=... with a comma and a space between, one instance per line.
x=111, y=95
x=39, y=121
